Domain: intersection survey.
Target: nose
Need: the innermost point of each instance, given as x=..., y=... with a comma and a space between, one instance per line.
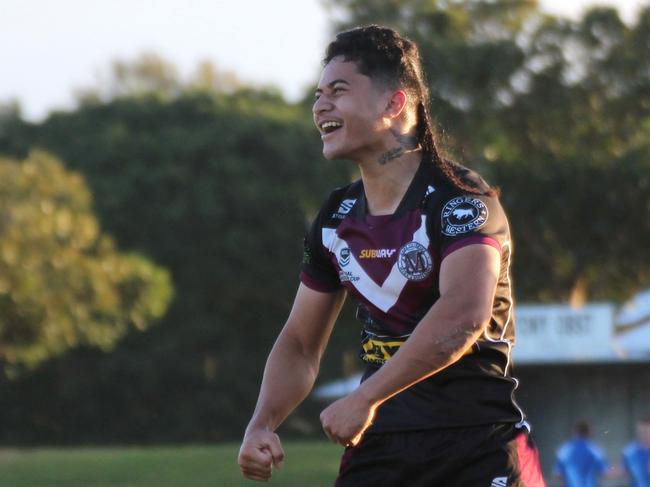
x=322, y=104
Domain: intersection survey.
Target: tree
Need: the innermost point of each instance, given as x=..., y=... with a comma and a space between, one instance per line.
x=62, y=282
x=150, y=74
x=217, y=187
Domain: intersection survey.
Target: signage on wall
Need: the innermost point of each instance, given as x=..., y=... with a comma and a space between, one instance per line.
x=555, y=333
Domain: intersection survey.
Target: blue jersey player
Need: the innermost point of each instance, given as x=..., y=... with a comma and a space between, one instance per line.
x=580, y=462
x=636, y=456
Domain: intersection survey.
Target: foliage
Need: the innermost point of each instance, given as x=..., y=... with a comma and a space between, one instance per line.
x=150, y=74
x=216, y=187
x=63, y=283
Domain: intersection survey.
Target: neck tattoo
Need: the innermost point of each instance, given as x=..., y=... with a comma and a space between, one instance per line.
x=406, y=143
x=391, y=154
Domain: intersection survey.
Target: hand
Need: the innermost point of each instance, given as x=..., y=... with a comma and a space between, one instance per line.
x=259, y=452
x=345, y=420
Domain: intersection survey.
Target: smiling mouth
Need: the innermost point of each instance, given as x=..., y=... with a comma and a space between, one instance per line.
x=330, y=126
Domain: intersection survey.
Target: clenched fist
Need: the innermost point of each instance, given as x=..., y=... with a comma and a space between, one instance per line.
x=260, y=451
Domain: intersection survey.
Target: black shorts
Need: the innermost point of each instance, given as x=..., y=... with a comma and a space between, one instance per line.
x=479, y=456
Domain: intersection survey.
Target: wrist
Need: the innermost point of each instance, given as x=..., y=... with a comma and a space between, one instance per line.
x=364, y=395
x=257, y=425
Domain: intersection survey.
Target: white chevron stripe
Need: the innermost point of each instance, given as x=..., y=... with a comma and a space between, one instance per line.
x=385, y=296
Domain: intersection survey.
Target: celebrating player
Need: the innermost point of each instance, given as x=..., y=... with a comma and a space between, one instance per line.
x=423, y=246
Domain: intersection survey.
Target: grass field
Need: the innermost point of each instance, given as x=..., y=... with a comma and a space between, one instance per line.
x=311, y=464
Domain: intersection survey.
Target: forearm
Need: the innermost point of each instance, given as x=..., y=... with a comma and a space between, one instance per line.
x=289, y=376
x=439, y=340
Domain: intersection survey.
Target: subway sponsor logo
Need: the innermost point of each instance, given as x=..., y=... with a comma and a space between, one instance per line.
x=376, y=253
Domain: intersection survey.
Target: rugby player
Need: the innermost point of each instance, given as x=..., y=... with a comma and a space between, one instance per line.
x=579, y=461
x=423, y=246
x=636, y=456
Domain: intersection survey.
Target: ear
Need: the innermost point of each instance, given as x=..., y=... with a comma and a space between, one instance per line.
x=396, y=104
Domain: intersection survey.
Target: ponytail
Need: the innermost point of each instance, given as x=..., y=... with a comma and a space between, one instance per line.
x=448, y=169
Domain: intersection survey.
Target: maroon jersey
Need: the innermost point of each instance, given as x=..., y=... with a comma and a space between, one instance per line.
x=390, y=265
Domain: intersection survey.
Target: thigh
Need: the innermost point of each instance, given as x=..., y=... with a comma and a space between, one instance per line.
x=507, y=457
x=376, y=461
x=483, y=456
x=404, y=459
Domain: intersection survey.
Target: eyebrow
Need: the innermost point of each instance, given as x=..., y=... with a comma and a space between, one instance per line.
x=332, y=83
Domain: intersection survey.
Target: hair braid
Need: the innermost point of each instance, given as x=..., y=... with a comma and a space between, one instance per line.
x=449, y=169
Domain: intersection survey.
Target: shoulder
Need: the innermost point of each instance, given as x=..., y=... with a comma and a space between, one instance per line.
x=595, y=450
x=454, y=213
x=340, y=202
x=446, y=191
x=589, y=449
x=473, y=178
x=565, y=450
x=631, y=449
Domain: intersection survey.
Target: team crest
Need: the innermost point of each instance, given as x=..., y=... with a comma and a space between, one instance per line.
x=462, y=215
x=344, y=256
x=414, y=261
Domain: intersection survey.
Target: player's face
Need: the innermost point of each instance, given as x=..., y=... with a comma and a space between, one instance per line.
x=643, y=432
x=348, y=112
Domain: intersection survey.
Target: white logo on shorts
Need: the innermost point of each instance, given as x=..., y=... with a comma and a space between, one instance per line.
x=499, y=482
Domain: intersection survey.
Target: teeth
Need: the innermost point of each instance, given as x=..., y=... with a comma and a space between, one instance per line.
x=331, y=124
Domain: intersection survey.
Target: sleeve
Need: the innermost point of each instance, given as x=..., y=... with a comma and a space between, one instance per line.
x=468, y=219
x=317, y=272
x=558, y=467
x=635, y=469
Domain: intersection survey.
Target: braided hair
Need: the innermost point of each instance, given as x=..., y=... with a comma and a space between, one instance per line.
x=393, y=61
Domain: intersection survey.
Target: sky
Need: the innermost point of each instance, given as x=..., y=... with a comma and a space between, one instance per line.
x=49, y=49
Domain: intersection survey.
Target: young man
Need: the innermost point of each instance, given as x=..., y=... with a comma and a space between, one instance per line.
x=636, y=456
x=423, y=246
x=579, y=461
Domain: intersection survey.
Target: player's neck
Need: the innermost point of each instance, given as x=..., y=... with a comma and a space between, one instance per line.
x=386, y=183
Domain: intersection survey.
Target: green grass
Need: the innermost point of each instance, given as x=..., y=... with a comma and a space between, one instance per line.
x=312, y=464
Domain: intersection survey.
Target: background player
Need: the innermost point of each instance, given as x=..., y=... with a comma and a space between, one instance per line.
x=579, y=461
x=423, y=246
x=636, y=456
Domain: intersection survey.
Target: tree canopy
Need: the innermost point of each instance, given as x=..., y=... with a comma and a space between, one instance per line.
x=217, y=187
x=62, y=282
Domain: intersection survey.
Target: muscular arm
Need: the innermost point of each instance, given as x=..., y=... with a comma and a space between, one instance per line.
x=468, y=279
x=289, y=375
x=292, y=365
